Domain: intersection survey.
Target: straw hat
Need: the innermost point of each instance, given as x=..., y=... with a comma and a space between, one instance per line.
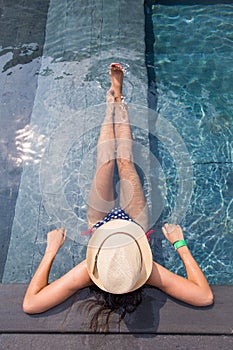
x=119, y=258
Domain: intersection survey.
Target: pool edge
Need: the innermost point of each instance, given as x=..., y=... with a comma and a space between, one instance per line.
x=159, y=314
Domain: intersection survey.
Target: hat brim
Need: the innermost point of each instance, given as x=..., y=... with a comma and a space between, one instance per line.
x=123, y=226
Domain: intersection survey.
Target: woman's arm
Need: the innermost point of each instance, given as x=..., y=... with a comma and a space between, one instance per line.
x=194, y=290
x=41, y=296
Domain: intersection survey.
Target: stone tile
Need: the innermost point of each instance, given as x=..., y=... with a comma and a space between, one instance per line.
x=114, y=342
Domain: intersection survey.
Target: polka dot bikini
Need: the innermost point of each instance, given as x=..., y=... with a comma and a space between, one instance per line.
x=115, y=213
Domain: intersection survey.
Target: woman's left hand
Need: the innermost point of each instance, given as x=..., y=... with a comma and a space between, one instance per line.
x=55, y=240
x=172, y=232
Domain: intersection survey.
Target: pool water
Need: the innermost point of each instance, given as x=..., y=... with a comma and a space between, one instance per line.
x=193, y=54
x=184, y=148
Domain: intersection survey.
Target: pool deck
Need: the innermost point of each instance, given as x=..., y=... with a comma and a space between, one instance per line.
x=160, y=320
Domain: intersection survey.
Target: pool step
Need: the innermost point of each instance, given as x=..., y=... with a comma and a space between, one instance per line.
x=81, y=41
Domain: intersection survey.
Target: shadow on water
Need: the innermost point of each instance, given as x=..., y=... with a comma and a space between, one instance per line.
x=152, y=101
x=152, y=97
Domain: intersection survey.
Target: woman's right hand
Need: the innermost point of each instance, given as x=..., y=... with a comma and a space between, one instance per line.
x=172, y=232
x=55, y=240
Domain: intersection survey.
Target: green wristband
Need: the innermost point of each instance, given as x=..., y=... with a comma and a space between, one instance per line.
x=180, y=243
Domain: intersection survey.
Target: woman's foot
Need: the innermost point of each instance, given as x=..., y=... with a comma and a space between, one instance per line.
x=116, y=76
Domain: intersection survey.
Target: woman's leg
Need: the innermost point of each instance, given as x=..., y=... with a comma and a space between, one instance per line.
x=101, y=196
x=132, y=198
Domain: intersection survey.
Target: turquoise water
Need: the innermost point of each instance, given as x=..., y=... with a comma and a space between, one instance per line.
x=193, y=55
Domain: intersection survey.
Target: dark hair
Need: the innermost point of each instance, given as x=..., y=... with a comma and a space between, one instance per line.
x=105, y=304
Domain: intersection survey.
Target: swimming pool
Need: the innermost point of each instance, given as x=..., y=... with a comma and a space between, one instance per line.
x=189, y=68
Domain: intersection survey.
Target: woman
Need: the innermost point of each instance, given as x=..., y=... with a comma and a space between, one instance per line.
x=118, y=259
